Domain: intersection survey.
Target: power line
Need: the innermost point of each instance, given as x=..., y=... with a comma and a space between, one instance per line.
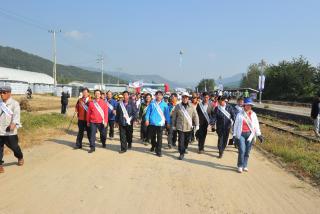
x=22, y=19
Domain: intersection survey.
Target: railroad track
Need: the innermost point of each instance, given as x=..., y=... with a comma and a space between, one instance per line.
x=289, y=127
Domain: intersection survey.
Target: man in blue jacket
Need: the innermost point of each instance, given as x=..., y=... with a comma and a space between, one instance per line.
x=156, y=117
x=126, y=115
x=112, y=111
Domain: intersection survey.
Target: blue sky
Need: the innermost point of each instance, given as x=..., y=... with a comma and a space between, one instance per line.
x=145, y=37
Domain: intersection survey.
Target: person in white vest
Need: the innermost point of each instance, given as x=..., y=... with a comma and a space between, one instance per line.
x=246, y=129
x=184, y=118
x=9, y=124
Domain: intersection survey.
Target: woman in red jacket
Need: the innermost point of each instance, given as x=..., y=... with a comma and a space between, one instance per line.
x=97, y=119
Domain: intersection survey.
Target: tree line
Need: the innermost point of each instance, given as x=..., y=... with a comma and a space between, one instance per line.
x=294, y=80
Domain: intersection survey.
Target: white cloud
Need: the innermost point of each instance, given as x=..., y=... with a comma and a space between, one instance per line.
x=76, y=35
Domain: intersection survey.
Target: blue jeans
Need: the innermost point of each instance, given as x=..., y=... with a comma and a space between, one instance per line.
x=244, y=149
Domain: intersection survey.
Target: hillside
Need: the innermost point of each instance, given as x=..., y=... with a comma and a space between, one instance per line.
x=15, y=58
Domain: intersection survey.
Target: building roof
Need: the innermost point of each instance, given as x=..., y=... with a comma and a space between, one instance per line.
x=10, y=74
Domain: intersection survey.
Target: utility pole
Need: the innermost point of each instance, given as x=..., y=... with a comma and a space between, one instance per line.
x=100, y=60
x=54, y=53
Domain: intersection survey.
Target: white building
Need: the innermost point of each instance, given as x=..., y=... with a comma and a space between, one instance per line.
x=20, y=80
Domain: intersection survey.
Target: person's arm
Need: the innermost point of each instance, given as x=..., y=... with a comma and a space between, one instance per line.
x=148, y=114
x=167, y=114
x=174, y=118
x=15, y=117
x=213, y=116
x=195, y=119
x=106, y=113
x=88, y=114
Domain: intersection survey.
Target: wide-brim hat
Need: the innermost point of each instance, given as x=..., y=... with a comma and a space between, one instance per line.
x=248, y=101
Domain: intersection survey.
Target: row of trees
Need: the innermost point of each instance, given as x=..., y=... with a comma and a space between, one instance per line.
x=295, y=80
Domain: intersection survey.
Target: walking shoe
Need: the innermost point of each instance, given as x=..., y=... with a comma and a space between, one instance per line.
x=201, y=151
x=1, y=169
x=245, y=169
x=174, y=145
x=77, y=147
x=169, y=146
x=240, y=169
x=181, y=157
x=152, y=149
x=92, y=150
x=220, y=155
x=159, y=155
x=20, y=162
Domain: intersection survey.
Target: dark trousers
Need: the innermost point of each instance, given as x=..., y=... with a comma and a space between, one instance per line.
x=201, y=135
x=93, y=129
x=111, y=128
x=125, y=137
x=223, y=137
x=183, y=141
x=172, y=137
x=64, y=108
x=156, y=133
x=144, y=132
x=12, y=143
x=82, y=125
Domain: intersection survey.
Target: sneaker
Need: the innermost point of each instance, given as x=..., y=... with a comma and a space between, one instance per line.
x=159, y=155
x=20, y=162
x=240, y=169
x=181, y=157
x=1, y=169
x=245, y=169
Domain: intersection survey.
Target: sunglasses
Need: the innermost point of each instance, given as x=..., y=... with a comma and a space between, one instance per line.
x=3, y=92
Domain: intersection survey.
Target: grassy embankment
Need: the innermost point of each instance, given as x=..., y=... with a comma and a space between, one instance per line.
x=298, y=154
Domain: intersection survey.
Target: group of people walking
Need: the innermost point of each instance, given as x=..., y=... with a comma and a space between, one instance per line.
x=184, y=121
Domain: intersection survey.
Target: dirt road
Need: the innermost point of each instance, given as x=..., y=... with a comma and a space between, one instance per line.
x=58, y=179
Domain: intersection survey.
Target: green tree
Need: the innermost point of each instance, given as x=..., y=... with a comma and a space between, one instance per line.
x=251, y=79
x=291, y=80
x=206, y=85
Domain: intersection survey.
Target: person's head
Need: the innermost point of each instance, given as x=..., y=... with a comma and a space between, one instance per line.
x=205, y=97
x=5, y=93
x=125, y=95
x=248, y=103
x=138, y=96
x=185, y=98
x=97, y=94
x=174, y=97
x=85, y=92
x=159, y=96
x=222, y=100
x=109, y=95
x=148, y=97
x=194, y=98
x=240, y=101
